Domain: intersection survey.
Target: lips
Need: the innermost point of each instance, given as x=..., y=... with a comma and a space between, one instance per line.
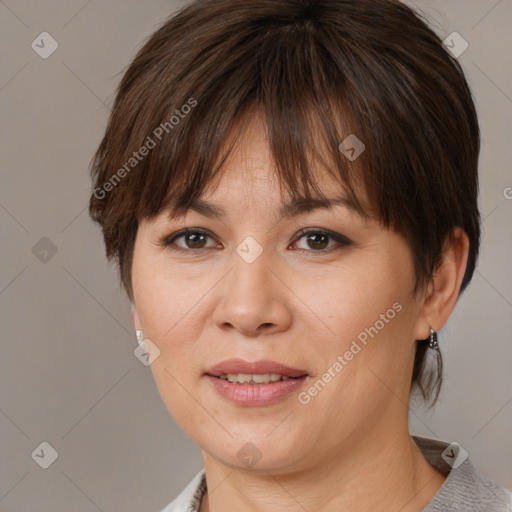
x=239, y=366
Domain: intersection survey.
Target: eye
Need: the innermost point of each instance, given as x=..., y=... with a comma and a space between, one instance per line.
x=194, y=239
x=318, y=240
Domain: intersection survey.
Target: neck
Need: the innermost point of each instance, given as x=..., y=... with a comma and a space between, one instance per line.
x=369, y=473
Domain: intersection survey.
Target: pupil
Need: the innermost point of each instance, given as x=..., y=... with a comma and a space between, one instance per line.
x=194, y=245
x=316, y=237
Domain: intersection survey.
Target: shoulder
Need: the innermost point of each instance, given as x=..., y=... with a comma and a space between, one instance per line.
x=464, y=488
x=190, y=497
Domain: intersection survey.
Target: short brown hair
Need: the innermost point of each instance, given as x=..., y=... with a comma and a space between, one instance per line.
x=318, y=71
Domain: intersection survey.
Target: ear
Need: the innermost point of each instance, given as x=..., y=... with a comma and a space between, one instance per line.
x=136, y=320
x=442, y=293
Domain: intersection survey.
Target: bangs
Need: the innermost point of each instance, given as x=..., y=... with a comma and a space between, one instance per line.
x=299, y=164
x=297, y=92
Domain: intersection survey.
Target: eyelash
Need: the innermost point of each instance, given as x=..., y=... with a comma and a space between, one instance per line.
x=340, y=239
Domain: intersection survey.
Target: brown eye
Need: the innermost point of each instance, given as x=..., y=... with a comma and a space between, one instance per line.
x=318, y=240
x=192, y=239
x=195, y=240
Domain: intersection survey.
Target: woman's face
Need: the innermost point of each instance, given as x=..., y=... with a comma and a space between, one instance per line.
x=255, y=286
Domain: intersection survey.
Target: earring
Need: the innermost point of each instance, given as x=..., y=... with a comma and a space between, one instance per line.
x=140, y=337
x=433, y=340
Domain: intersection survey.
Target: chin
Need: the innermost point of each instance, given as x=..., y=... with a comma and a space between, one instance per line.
x=256, y=453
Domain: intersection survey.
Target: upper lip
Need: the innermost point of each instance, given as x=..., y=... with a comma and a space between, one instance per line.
x=235, y=366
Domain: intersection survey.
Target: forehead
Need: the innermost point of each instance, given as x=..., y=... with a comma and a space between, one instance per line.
x=240, y=189
x=250, y=169
x=287, y=209
x=249, y=176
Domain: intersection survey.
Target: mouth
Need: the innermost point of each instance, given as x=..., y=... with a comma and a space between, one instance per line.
x=241, y=371
x=255, y=378
x=255, y=383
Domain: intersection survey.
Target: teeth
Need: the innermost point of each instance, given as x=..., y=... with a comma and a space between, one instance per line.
x=247, y=378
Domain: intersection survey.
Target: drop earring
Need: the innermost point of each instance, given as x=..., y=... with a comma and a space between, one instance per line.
x=432, y=343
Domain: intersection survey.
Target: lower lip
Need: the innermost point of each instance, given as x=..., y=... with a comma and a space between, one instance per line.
x=253, y=395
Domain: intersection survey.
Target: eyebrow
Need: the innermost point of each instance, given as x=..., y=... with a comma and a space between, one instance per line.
x=290, y=209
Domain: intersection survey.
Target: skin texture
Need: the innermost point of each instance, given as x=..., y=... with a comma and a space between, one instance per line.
x=349, y=448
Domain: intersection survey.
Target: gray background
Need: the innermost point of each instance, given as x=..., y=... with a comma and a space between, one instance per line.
x=68, y=373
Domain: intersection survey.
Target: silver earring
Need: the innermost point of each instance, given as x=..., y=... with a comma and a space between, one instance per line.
x=140, y=337
x=432, y=343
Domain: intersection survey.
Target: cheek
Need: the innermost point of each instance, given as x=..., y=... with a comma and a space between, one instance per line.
x=168, y=309
x=168, y=302
x=347, y=300
x=366, y=317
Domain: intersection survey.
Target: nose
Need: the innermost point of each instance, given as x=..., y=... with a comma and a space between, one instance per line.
x=254, y=298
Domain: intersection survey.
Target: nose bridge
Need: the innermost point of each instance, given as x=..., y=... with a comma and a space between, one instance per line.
x=250, y=270
x=251, y=295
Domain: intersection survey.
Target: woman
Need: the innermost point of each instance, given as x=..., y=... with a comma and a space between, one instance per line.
x=290, y=192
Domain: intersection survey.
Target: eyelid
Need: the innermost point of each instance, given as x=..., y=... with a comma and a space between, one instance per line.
x=341, y=240
x=168, y=241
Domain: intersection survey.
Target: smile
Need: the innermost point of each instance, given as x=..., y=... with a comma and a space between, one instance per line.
x=247, y=378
